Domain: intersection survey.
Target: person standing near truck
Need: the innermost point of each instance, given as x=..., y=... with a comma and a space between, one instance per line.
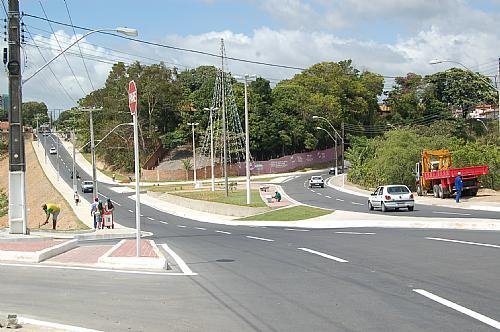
x=458, y=187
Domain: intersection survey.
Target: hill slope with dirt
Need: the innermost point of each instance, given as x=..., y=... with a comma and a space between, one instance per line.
x=39, y=190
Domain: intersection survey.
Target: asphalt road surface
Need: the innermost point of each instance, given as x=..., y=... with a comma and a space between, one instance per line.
x=277, y=279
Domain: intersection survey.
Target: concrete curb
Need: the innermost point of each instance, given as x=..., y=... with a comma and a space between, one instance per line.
x=158, y=263
x=110, y=236
x=38, y=256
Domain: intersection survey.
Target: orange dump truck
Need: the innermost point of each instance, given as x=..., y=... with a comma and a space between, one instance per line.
x=434, y=174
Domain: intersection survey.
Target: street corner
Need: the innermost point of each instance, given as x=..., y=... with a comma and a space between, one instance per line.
x=118, y=232
x=129, y=254
x=33, y=249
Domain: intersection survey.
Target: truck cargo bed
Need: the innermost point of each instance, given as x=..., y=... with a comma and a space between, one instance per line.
x=466, y=172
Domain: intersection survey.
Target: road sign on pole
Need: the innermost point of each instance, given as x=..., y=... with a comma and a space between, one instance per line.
x=132, y=97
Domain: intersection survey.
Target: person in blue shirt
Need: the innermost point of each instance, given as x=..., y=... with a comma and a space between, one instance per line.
x=458, y=187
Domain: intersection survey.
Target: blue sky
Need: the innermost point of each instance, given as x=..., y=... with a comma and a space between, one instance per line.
x=390, y=37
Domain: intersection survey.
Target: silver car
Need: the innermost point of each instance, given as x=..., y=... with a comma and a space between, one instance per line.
x=87, y=186
x=316, y=181
x=391, y=197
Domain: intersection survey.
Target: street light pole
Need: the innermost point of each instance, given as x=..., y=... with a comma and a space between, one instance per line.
x=73, y=169
x=336, y=159
x=338, y=135
x=486, y=128
x=211, y=109
x=247, y=142
x=193, y=124
x=92, y=153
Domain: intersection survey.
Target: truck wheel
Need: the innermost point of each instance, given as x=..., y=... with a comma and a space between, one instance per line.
x=435, y=190
x=441, y=192
x=473, y=192
x=384, y=209
x=410, y=208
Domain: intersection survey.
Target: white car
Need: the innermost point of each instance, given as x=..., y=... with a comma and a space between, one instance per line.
x=53, y=150
x=87, y=186
x=316, y=181
x=391, y=197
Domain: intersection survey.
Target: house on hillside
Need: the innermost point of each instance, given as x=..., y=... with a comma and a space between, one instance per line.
x=484, y=112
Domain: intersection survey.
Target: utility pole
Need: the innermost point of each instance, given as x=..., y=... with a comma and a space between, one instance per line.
x=498, y=90
x=343, y=149
x=92, y=153
x=17, y=163
x=224, y=119
x=193, y=124
x=211, y=109
x=74, y=150
x=247, y=141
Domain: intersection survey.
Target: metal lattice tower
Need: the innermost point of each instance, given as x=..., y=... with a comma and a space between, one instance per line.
x=223, y=96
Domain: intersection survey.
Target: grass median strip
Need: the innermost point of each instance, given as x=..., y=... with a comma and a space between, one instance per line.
x=290, y=214
x=236, y=197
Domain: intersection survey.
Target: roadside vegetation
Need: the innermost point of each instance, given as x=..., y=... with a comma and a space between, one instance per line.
x=293, y=213
x=4, y=203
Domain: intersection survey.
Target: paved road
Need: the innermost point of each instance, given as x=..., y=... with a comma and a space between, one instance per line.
x=278, y=279
x=330, y=198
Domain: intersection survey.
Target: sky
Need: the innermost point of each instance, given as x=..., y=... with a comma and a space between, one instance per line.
x=388, y=37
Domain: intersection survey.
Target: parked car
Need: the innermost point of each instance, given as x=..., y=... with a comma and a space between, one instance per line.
x=87, y=186
x=391, y=197
x=316, y=181
x=53, y=150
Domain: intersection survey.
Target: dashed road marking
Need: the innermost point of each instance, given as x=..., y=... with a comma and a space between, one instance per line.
x=356, y=203
x=259, y=238
x=337, y=259
x=130, y=211
x=355, y=233
x=313, y=190
x=319, y=193
x=201, y=228
x=151, y=218
x=223, y=232
x=464, y=242
x=482, y=318
x=296, y=229
x=162, y=222
x=181, y=226
x=328, y=196
x=339, y=199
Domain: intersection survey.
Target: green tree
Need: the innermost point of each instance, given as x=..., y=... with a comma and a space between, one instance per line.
x=32, y=110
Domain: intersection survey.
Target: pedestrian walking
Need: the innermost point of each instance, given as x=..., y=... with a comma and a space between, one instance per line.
x=109, y=208
x=114, y=176
x=54, y=209
x=77, y=198
x=458, y=187
x=93, y=210
x=99, y=215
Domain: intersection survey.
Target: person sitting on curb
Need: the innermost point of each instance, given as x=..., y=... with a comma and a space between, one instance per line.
x=277, y=196
x=53, y=209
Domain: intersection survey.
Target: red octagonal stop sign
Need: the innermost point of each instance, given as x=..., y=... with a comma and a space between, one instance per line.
x=132, y=97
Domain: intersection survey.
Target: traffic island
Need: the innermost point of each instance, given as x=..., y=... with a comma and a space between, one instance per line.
x=33, y=250
x=123, y=256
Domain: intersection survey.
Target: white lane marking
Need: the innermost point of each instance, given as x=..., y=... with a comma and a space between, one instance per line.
x=182, y=265
x=201, y=228
x=181, y=226
x=482, y=318
x=61, y=327
x=319, y=193
x=356, y=203
x=464, y=242
x=259, y=238
x=142, y=215
x=116, y=203
x=313, y=190
x=223, y=232
x=355, y=233
x=103, y=195
x=452, y=213
x=151, y=218
x=163, y=222
x=338, y=199
x=296, y=229
x=328, y=196
x=340, y=260
x=130, y=211
x=81, y=268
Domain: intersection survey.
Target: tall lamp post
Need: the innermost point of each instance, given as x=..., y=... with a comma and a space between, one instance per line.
x=193, y=124
x=336, y=159
x=247, y=78
x=438, y=61
x=341, y=139
x=211, y=109
x=482, y=122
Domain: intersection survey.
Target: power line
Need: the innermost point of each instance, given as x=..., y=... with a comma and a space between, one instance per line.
x=78, y=44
